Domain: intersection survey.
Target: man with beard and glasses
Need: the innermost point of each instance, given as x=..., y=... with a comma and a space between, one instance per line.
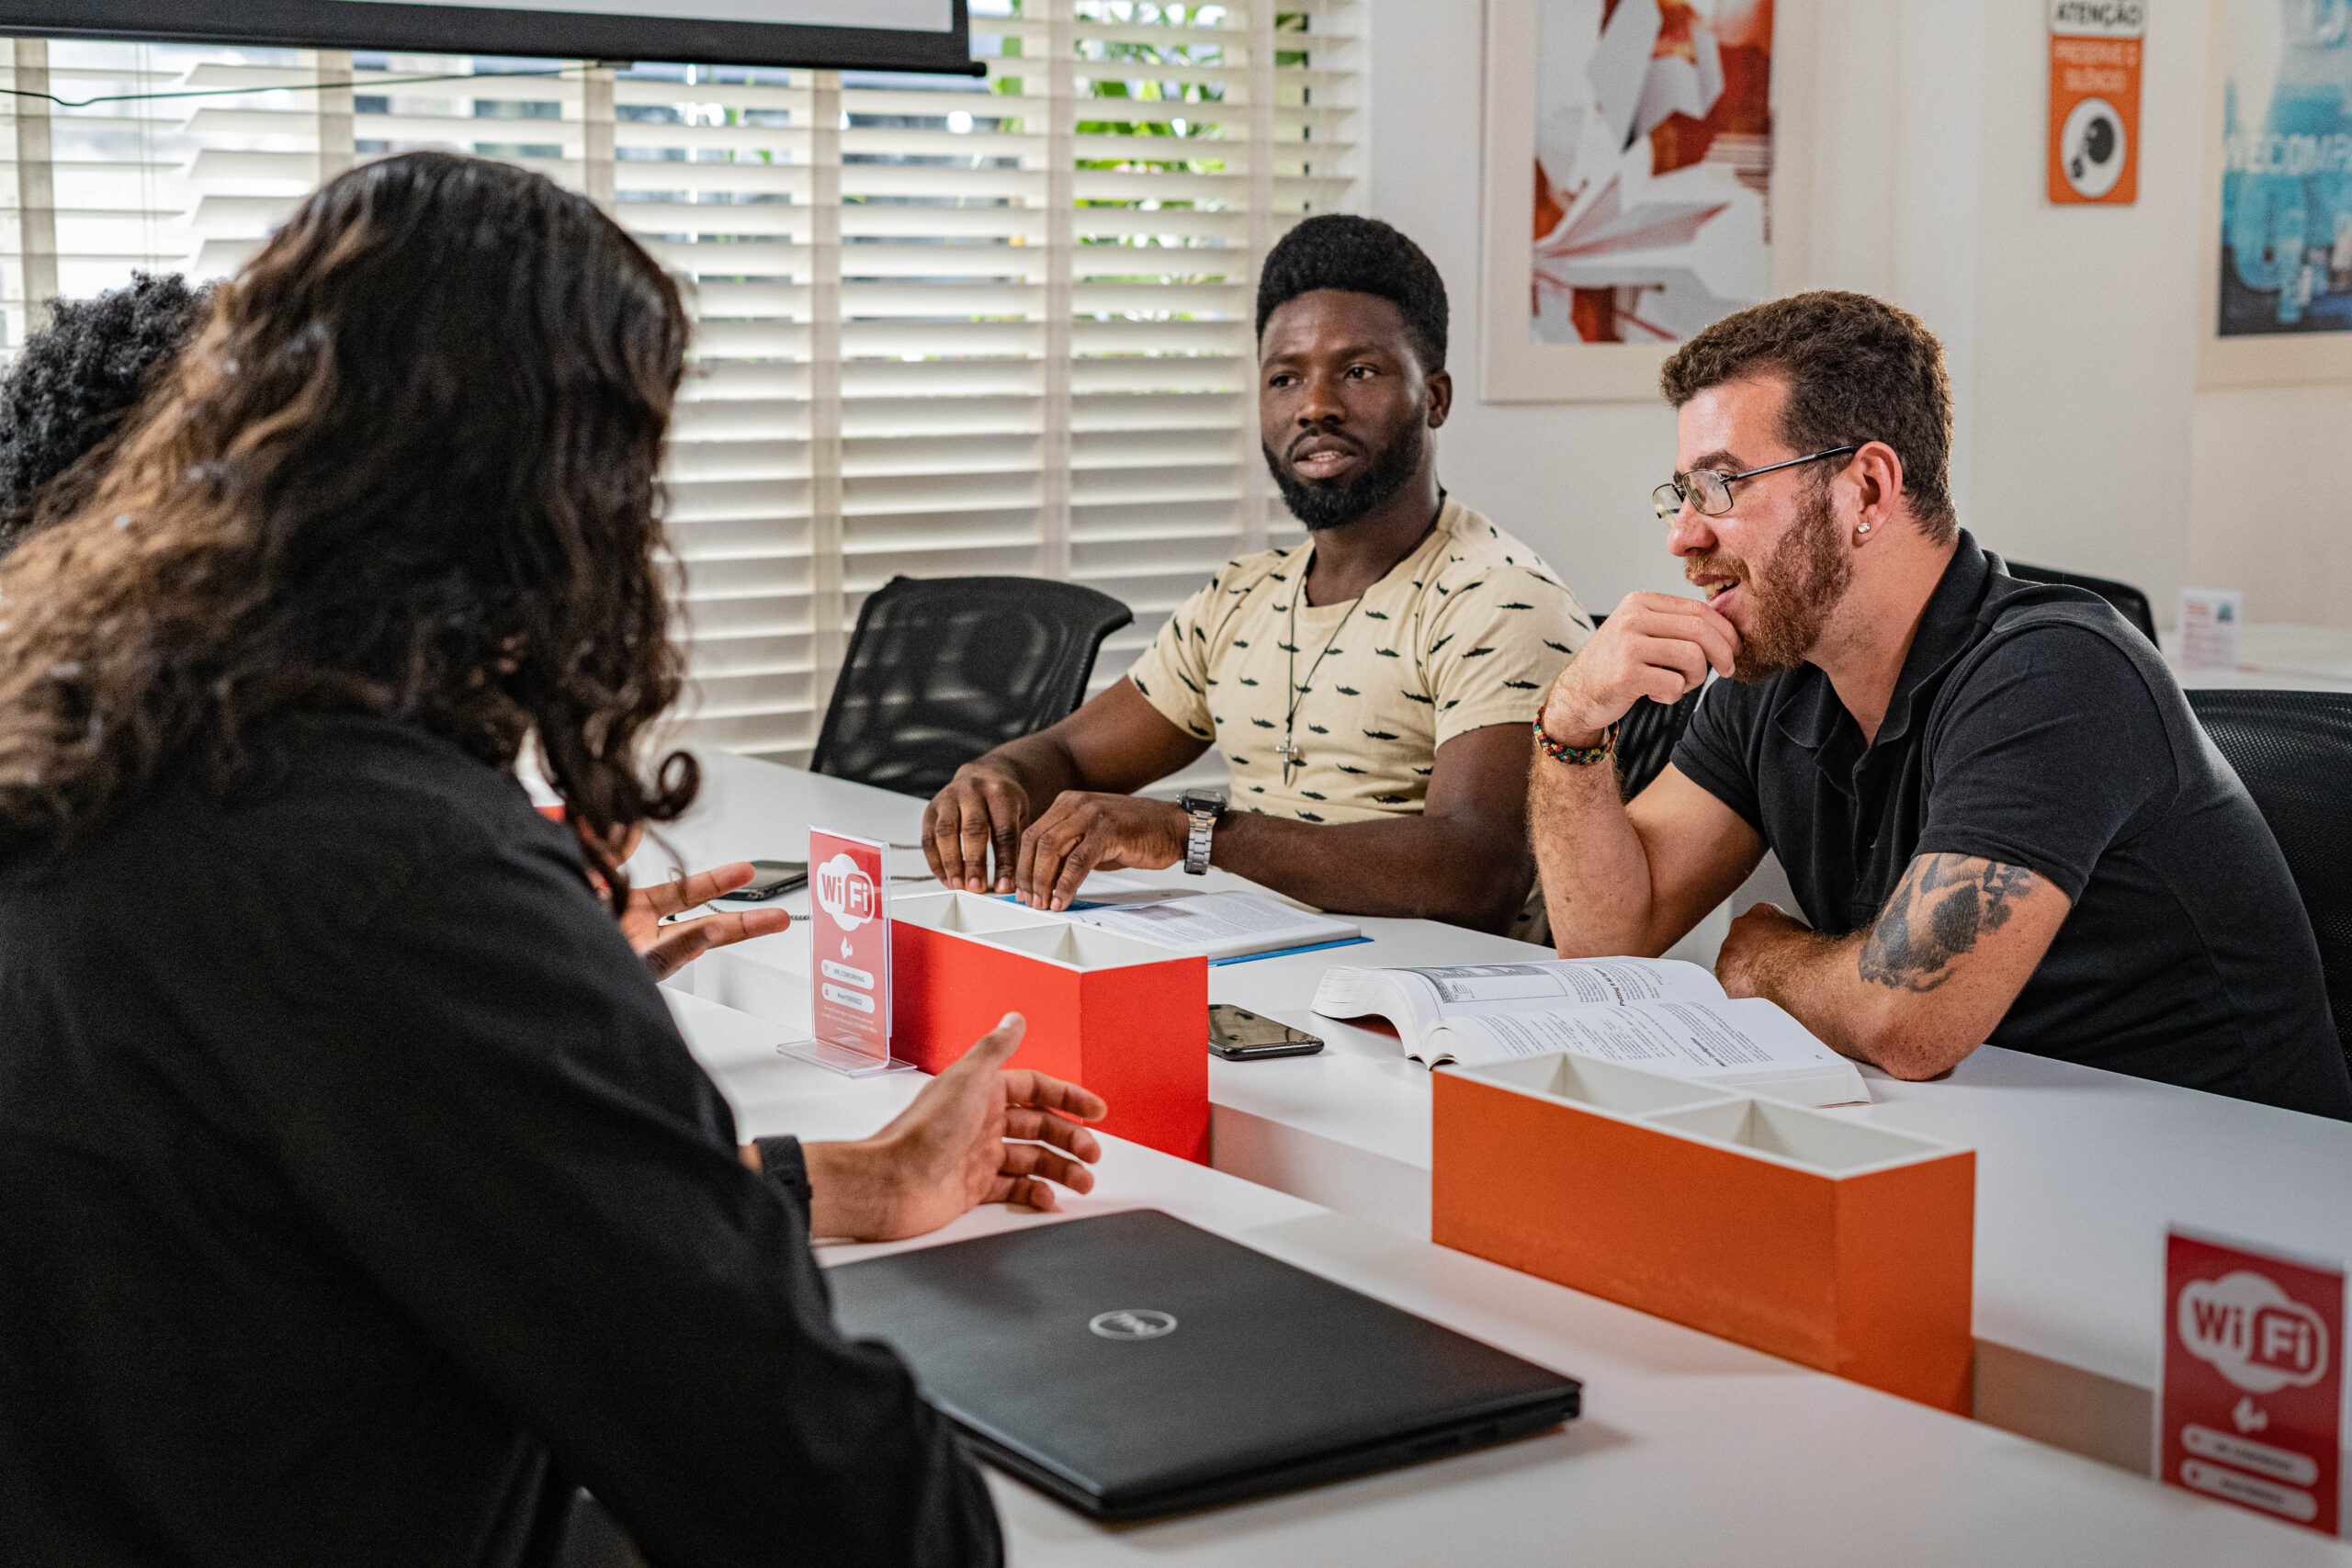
x=1371, y=689
x=1998, y=815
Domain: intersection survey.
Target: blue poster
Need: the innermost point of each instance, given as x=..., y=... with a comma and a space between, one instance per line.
x=2287, y=168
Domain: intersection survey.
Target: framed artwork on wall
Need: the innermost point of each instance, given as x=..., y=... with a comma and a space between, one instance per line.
x=1638, y=185
x=2278, y=238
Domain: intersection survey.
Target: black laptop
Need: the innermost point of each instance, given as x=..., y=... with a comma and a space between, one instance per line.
x=1133, y=1365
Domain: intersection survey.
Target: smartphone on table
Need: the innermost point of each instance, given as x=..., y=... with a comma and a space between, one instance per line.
x=1237, y=1034
x=771, y=879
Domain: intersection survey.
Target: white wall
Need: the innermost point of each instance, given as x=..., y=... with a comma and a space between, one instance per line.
x=2080, y=441
x=1574, y=482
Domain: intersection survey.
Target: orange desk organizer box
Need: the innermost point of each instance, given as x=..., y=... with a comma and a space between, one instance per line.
x=1127, y=1020
x=1843, y=1246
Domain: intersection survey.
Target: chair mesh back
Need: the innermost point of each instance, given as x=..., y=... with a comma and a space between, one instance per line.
x=2293, y=750
x=941, y=670
x=2128, y=602
x=1646, y=740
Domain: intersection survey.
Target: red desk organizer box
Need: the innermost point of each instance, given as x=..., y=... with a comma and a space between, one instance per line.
x=1844, y=1247
x=1127, y=1020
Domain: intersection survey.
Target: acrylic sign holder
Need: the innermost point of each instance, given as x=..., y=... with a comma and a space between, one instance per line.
x=849, y=957
x=2252, y=1406
x=1126, y=1019
x=1841, y=1245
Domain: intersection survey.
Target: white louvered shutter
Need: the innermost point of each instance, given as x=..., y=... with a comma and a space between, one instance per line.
x=944, y=325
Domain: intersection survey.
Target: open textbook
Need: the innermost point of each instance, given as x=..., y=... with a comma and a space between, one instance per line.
x=1216, y=925
x=1656, y=1012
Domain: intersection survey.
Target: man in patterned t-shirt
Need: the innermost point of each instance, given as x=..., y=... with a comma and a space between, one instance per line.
x=1371, y=690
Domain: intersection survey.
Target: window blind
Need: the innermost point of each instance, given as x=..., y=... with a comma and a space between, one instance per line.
x=943, y=325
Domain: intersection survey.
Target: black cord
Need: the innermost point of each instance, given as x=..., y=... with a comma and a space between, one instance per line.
x=559, y=74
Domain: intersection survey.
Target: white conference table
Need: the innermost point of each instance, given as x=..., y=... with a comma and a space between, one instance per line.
x=1692, y=1451
x=2078, y=1171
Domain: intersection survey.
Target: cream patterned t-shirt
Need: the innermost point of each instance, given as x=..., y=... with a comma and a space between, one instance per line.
x=1468, y=631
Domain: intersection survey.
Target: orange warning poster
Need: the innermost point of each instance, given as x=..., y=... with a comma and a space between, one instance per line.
x=2095, y=100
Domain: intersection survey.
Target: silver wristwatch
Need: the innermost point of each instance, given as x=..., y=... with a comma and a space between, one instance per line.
x=1203, y=806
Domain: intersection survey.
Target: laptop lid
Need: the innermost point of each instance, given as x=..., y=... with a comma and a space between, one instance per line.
x=1133, y=1365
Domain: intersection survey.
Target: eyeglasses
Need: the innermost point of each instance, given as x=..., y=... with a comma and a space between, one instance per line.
x=1709, y=489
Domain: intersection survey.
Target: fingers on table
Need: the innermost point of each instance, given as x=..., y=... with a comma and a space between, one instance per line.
x=935, y=836
x=1007, y=844
x=1075, y=865
x=1040, y=846
x=964, y=823
x=942, y=834
x=956, y=836
x=975, y=833
x=1055, y=855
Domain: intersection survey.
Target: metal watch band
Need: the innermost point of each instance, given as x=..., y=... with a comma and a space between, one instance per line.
x=1202, y=811
x=1196, y=843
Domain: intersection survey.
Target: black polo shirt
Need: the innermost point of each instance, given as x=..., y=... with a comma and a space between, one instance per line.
x=2033, y=726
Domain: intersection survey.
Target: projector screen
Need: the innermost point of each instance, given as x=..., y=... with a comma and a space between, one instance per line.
x=862, y=35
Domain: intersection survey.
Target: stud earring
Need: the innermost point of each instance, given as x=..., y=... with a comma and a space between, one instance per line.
x=1861, y=528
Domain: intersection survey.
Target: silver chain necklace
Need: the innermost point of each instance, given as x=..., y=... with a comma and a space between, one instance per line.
x=1289, y=750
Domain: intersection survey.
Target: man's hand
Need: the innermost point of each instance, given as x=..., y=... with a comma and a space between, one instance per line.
x=1658, y=646
x=668, y=949
x=983, y=807
x=1749, y=947
x=973, y=1134
x=1085, y=832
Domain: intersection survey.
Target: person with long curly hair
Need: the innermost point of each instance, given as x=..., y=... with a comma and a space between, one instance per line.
x=358, y=1198
x=64, y=404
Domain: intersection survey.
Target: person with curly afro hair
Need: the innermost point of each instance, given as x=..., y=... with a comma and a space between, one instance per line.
x=73, y=384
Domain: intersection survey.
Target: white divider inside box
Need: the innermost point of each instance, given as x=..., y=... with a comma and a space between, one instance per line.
x=968, y=914
x=1758, y=1125
x=1032, y=932
x=1803, y=1135
x=1602, y=1085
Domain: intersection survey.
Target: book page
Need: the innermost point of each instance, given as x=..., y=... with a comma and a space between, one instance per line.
x=1404, y=998
x=1692, y=1040
x=1550, y=985
x=1221, y=925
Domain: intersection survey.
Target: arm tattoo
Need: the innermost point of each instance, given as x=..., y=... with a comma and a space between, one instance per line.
x=1944, y=903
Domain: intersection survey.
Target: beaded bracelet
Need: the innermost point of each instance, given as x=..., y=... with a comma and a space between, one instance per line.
x=1577, y=756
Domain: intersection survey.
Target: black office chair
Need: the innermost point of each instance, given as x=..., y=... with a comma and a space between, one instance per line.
x=942, y=669
x=2293, y=750
x=1646, y=740
x=2128, y=602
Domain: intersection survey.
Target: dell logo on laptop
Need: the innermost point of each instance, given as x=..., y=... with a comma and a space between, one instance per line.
x=1133, y=1322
